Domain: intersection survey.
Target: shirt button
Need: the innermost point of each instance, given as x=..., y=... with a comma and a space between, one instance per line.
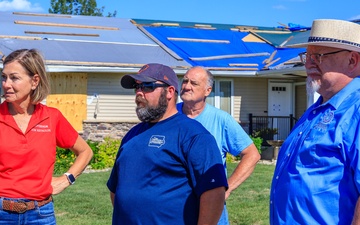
x=314, y=112
x=270, y=202
x=277, y=177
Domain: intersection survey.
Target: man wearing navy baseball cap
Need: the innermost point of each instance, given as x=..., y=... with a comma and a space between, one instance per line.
x=150, y=73
x=168, y=169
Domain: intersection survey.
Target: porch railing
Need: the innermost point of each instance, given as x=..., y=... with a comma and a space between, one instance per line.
x=271, y=127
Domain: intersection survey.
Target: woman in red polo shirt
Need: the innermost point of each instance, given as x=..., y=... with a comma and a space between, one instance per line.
x=29, y=134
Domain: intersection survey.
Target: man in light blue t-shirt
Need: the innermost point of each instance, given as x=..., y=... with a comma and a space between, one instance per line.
x=230, y=137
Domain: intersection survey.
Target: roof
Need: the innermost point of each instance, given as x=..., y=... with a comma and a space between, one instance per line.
x=231, y=47
x=108, y=44
x=70, y=40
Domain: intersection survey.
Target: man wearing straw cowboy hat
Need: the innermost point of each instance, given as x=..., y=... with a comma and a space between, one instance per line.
x=317, y=176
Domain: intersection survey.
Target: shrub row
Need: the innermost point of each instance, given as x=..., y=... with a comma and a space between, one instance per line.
x=104, y=155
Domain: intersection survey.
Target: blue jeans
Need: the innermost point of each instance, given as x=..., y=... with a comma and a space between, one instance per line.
x=43, y=215
x=224, y=219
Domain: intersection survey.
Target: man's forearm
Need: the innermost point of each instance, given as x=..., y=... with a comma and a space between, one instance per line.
x=356, y=219
x=211, y=206
x=244, y=169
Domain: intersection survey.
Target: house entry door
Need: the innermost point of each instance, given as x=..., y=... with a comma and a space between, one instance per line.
x=280, y=104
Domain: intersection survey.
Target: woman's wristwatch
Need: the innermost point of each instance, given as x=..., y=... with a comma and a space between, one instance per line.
x=70, y=178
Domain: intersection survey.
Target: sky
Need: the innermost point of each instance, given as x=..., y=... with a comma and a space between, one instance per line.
x=267, y=13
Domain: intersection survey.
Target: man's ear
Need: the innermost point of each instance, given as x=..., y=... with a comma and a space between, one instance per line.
x=354, y=64
x=170, y=92
x=208, y=91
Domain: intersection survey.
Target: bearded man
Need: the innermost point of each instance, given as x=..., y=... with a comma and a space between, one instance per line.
x=168, y=169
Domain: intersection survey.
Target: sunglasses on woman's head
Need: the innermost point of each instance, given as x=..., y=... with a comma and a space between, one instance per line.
x=148, y=86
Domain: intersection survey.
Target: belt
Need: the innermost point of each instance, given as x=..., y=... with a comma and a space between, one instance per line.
x=21, y=206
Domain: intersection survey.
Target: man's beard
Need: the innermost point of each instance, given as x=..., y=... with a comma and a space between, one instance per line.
x=150, y=113
x=312, y=86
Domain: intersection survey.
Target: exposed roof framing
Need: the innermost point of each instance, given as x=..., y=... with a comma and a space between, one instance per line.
x=64, y=25
x=166, y=24
x=198, y=40
x=204, y=26
x=243, y=64
x=41, y=14
x=61, y=33
x=20, y=37
x=61, y=62
x=231, y=69
x=229, y=56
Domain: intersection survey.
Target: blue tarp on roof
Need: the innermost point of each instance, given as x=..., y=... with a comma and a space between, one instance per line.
x=224, y=47
x=295, y=27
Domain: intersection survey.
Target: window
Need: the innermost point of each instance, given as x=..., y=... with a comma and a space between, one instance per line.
x=225, y=96
x=222, y=95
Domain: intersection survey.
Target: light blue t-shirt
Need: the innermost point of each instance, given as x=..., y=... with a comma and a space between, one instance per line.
x=317, y=175
x=229, y=135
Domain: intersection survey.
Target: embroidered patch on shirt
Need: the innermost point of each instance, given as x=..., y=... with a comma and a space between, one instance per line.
x=328, y=117
x=41, y=128
x=325, y=120
x=157, y=141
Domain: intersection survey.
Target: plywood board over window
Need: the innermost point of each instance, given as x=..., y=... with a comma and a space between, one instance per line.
x=68, y=94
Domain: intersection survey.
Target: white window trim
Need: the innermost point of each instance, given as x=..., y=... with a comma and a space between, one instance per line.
x=217, y=95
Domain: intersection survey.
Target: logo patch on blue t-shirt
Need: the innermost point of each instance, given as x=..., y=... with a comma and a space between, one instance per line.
x=157, y=141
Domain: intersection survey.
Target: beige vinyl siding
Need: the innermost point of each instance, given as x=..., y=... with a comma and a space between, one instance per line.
x=237, y=106
x=250, y=96
x=116, y=104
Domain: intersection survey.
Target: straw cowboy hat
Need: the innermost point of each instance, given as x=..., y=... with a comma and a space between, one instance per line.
x=333, y=33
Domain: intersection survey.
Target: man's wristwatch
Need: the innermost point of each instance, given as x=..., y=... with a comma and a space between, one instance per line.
x=70, y=178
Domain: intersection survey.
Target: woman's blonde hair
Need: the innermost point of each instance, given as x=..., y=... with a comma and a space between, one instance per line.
x=33, y=62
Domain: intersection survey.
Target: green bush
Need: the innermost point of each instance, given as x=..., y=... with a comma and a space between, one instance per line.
x=104, y=155
x=230, y=158
x=266, y=134
x=64, y=159
x=257, y=142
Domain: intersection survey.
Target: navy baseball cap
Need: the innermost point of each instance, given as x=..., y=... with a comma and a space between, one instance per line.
x=150, y=73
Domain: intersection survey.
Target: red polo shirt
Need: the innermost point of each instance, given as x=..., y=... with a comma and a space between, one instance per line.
x=27, y=160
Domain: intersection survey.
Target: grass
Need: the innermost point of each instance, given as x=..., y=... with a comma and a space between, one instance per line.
x=88, y=201
x=249, y=203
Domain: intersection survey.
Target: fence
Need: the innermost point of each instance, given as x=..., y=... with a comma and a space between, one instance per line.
x=271, y=127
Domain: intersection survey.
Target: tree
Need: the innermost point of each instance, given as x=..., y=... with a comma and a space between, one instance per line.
x=78, y=7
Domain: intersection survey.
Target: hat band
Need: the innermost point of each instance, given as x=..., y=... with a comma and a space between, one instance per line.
x=334, y=40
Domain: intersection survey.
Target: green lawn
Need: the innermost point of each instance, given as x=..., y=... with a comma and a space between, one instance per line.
x=249, y=204
x=88, y=201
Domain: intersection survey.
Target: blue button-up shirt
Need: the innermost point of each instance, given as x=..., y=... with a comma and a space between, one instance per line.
x=316, y=180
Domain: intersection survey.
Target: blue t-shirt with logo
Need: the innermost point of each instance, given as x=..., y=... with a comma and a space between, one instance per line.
x=161, y=171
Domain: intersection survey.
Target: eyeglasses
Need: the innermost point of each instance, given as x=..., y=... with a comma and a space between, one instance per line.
x=316, y=58
x=148, y=86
